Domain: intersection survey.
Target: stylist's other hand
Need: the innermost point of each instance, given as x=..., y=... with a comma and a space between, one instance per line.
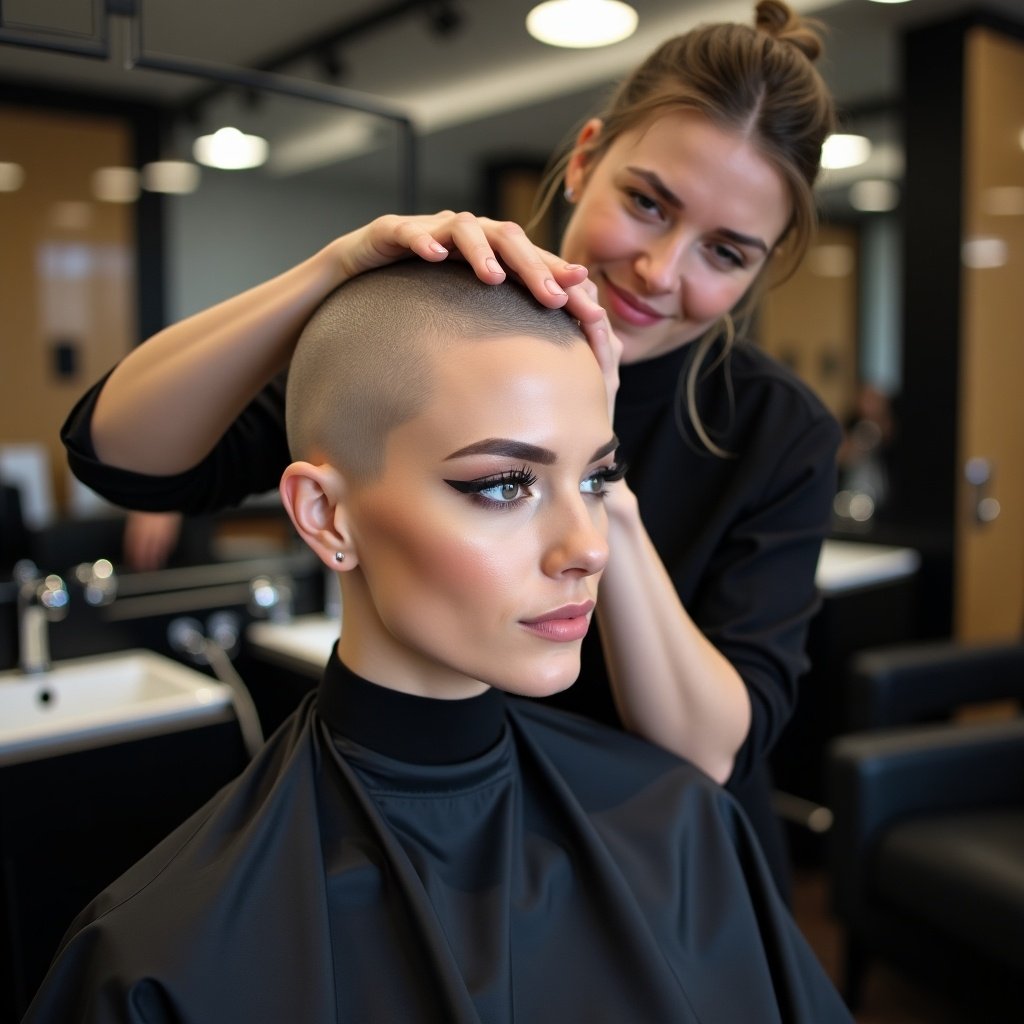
x=149, y=539
x=491, y=247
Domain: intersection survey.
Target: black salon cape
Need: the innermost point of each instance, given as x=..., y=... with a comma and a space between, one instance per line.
x=554, y=871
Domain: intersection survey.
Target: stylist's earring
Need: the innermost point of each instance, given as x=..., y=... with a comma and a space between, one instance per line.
x=570, y=194
x=339, y=556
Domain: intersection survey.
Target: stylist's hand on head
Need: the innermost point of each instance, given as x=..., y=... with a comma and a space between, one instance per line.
x=604, y=342
x=493, y=248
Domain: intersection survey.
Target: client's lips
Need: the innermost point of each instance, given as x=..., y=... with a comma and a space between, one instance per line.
x=563, y=625
x=627, y=307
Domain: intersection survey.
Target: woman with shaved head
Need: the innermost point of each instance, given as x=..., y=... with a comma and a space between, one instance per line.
x=421, y=842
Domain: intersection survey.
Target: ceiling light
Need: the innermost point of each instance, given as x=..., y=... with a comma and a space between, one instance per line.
x=171, y=177
x=12, y=177
x=115, y=184
x=984, y=253
x=230, y=150
x=581, y=23
x=845, y=151
x=890, y=1
x=874, y=195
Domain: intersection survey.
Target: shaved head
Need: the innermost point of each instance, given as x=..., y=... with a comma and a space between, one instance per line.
x=364, y=362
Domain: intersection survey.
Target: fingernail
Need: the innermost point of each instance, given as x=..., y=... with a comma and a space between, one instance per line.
x=438, y=248
x=575, y=266
x=553, y=287
x=494, y=266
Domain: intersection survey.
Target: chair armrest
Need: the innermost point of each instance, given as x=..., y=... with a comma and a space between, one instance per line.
x=915, y=682
x=875, y=779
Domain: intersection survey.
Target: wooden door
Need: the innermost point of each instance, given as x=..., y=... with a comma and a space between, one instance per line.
x=989, y=545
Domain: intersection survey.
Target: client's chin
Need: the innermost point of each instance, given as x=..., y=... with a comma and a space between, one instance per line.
x=542, y=677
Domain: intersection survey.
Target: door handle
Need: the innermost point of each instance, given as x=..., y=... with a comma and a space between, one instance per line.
x=979, y=473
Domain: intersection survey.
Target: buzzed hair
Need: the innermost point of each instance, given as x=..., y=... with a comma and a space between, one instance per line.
x=362, y=365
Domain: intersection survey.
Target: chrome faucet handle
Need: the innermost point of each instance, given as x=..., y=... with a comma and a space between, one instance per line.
x=47, y=592
x=272, y=598
x=52, y=595
x=98, y=580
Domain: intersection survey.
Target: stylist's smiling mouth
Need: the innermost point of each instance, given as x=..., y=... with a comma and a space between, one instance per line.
x=628, y=308
x=562, y=625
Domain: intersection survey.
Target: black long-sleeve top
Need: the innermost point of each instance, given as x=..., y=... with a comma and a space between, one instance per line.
x=740, y=536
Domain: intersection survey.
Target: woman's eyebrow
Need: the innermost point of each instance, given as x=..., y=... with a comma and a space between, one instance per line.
x=507, y=447
x=605, y=449
x=522, y=450
x=666, y=194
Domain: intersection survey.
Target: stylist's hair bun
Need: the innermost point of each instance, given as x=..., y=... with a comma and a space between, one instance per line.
x=774, y=18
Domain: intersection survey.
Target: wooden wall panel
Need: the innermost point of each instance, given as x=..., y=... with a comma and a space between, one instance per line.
x=67, y=270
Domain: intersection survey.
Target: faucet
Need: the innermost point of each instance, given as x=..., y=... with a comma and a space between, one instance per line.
x=99, y=581
x=272, y=598
x=40, y=602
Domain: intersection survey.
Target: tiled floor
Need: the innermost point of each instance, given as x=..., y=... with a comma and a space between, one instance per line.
x=888, y=997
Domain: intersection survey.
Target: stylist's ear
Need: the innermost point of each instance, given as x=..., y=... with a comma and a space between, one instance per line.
x=581, y=157
x=313, y=497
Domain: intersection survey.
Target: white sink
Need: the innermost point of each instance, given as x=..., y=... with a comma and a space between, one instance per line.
x=304, y=643
x=83, y=703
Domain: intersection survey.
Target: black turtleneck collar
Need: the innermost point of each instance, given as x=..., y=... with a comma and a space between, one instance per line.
x=420, y=730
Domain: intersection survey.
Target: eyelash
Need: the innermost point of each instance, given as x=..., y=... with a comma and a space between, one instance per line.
x=643, y=203
x=607, y=475
x=525, y=479
x=474, y=488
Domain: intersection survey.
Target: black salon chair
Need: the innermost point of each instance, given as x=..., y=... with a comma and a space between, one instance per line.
x=926, y=852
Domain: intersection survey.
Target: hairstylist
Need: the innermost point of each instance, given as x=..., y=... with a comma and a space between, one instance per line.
x=688, y=193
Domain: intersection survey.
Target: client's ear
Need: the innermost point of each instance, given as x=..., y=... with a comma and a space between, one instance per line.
x=313, y=498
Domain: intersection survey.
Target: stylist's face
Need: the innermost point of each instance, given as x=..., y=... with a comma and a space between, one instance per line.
x=481, y=543
x=674, y=222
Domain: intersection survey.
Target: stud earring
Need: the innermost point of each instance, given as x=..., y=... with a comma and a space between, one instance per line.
x=339, y=556
x=570, y=194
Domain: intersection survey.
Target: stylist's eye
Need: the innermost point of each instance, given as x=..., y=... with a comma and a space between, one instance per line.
x=728, y=257
x=644, y=204
x=503, y=489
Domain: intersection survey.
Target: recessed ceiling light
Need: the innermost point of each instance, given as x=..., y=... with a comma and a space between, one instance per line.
x=579, y=24
x=115, y=184
x=12, y=177
x=984, y=253
x=229, y=149
x=845, y=151
x=171, y=177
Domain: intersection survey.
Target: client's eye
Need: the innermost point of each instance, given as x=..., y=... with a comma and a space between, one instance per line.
x=502, y=489
x=597, y=482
